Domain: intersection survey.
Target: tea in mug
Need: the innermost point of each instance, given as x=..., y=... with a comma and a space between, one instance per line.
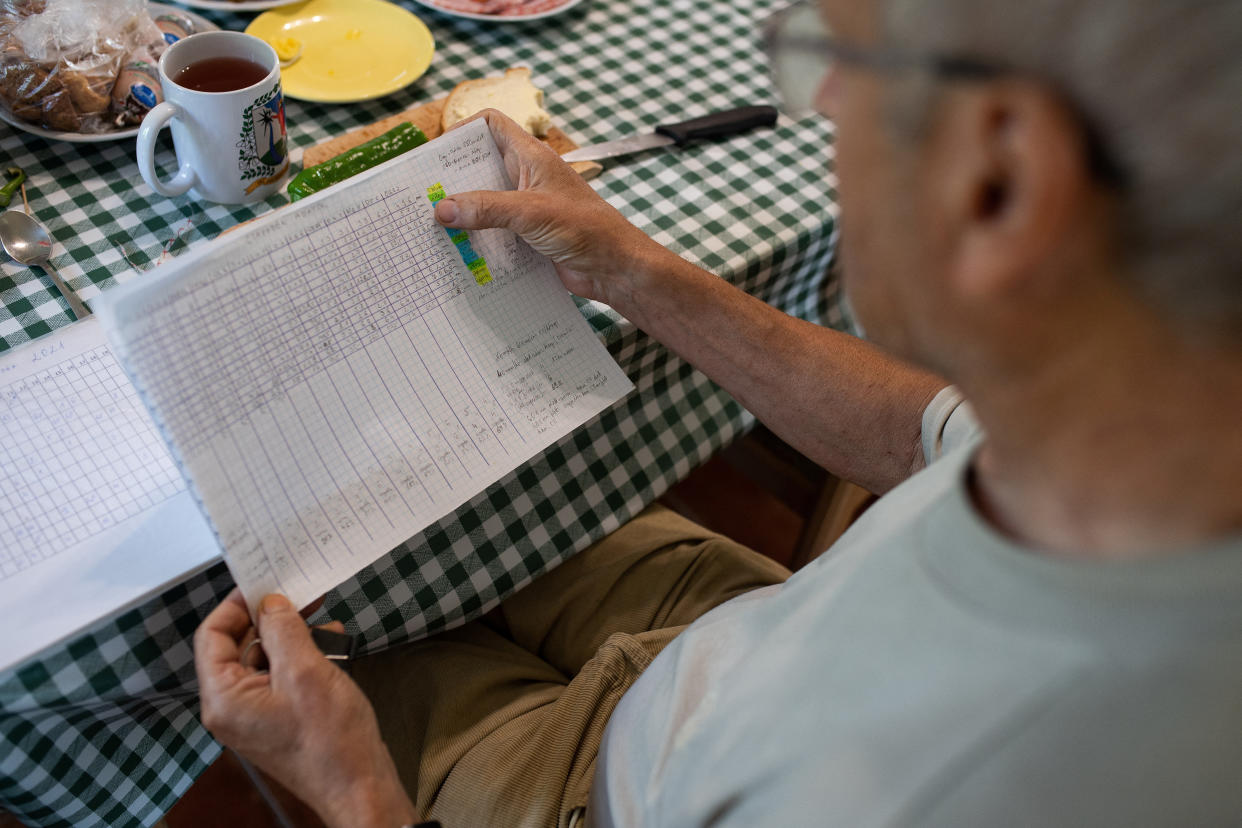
x=220, y=74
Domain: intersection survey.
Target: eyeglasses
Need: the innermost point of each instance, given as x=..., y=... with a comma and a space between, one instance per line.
x=802, y=50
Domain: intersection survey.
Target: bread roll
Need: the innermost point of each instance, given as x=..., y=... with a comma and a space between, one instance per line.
x=513, y=94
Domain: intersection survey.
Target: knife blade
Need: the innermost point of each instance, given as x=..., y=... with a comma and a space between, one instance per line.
x=709, y=127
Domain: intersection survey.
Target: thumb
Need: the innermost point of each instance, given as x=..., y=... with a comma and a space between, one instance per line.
x=285, y=636
x=479, y=209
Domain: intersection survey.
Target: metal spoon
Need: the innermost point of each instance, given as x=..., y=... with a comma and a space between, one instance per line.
x=29, y=243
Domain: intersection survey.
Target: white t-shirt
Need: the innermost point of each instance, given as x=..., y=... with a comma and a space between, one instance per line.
x=926, y=671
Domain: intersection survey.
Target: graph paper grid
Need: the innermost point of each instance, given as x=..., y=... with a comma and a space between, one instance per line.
x=78, y=454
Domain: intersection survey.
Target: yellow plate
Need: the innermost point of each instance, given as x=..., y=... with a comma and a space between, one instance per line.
x=352, y=50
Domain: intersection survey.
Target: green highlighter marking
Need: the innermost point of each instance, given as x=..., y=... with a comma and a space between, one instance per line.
x=461, y=240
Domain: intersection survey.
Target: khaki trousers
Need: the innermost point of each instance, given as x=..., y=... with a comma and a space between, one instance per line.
x=498, y=722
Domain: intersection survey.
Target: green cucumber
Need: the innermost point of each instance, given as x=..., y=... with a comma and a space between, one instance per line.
x=12, y=185
x=362, y=157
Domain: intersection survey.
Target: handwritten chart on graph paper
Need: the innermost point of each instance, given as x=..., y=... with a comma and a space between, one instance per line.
x=337, y=378
x=94, y=515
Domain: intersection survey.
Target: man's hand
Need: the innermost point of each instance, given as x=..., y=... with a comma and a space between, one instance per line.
x=305, y=722
x=598, y=254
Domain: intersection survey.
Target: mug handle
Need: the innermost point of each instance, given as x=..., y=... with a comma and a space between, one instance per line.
x=154, y=121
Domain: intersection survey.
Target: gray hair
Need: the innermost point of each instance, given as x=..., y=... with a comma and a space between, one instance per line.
x=1160, y=83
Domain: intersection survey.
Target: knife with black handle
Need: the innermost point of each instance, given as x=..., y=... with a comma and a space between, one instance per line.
x=711, y=127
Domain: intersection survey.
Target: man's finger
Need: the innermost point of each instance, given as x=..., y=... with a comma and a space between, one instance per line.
x=285, y=636
x=510, y=137
x=216, y=639
x=479, y=209
x=217, y=650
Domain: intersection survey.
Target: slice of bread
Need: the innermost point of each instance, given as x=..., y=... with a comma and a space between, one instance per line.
x=513, y=94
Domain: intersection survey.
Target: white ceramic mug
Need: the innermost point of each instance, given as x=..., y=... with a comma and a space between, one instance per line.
x=231, y=146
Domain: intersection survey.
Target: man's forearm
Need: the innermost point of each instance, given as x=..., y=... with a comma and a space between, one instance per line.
x=837, y=399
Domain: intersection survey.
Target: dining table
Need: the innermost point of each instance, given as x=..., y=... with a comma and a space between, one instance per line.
x=104, y=728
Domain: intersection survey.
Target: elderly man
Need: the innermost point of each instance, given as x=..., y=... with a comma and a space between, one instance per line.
x=1043, y=627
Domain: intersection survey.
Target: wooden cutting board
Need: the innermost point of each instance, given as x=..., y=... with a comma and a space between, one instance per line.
x=427, y=118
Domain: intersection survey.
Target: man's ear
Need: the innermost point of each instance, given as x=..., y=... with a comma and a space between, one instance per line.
x=1014, y=185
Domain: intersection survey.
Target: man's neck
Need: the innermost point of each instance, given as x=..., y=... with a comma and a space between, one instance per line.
x=1125, y=448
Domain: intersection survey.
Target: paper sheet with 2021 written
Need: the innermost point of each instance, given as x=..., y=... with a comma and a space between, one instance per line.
x=338, y=377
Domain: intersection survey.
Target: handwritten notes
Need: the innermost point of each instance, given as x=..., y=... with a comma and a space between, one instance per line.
x=466, y=151
x=337, y=378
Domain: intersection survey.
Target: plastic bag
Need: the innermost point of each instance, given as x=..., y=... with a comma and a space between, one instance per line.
x=60, y=59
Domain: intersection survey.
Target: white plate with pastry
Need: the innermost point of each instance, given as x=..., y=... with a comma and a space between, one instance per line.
x=237, y=5
x=501, y=11
x=201, y=24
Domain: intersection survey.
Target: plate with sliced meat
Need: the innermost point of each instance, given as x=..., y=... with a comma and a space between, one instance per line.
x=502, y=11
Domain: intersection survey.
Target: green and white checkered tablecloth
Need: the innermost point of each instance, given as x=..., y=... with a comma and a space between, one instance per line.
x=104, y=730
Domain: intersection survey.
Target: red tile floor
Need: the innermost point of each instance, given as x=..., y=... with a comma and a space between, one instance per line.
x=759, y=492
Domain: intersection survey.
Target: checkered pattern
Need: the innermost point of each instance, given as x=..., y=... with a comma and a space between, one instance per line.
x=104, y=730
